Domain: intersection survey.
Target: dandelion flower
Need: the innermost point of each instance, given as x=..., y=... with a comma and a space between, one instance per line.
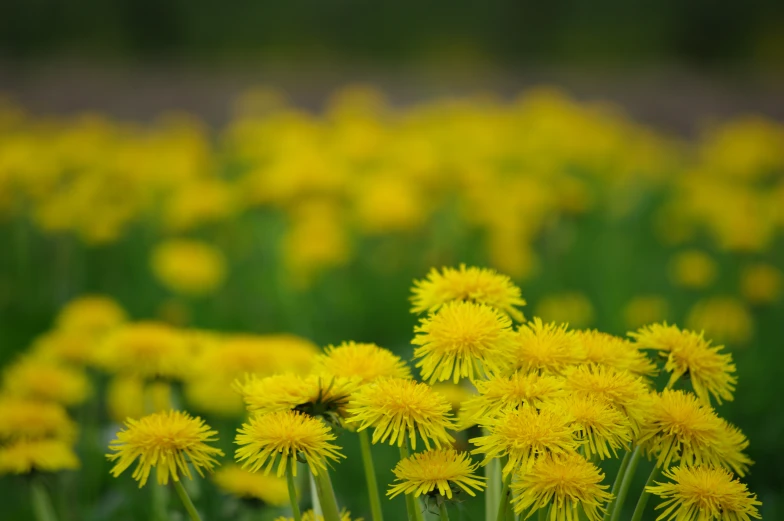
x=365, y=362
x=618, y=353
x=600, y=427
x=167, y=441
x=73, y=347
x=271, y=490
x=445, y=470
x=283, y=437
x=704, y=494
x=523, y=434
x=188, y=267
x=567, y=482
x=710, y=371
x=502, y=392
x=47, y=455
x=480, y=285
x=38, y=378
x=462, y=339
x=24, y=418
x=397, y=407
x=91, y=314
x=545, y=347
x=681, y=428
x=309, y=515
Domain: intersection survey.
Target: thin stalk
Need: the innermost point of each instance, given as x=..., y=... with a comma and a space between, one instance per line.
x=442, y=510
x=160, y=502
x=493, y=489
x=617, y=484
x=292, y=490
x=640, y=508
x=503, y=504
x=412, y=504
x=542, y=514
x=42, y=503
x=186, y=501
x=370, y=476
x=314, y=499
x=326, y=495
x=623, y=491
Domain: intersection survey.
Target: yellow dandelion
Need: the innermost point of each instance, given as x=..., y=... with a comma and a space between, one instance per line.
x=462, y=339
x=600, y=427
x=444, y=470
x=24, y=418
x=623, y=390
x=147, y=349
x=309, y=515
x=704, y=494
x=545, y=347
x=46, y=455
x=619, y=353
x=283, y=437
x=568, y=482
x=188, y=267
x=396, y=407
x=681, y=428
x=501, y=392
x=168, y=441
x=479, y=285
x=688, y=353
x=45, y=379
x=67, y=346
x=271, y=490
x=693, y=269
x=524, y=434
x=761, y=283
x=365, y=362
x=91, y=314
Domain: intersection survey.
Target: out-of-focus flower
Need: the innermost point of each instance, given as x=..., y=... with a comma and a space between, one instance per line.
x=188, y=267
x=645, y=309
x=567, y=308
x=34, y=419
x=242, y=483
x=42, y=455
x=761, y=283
x=693, y=269
x=40, y=378
x=90, y=314
x=725, y=319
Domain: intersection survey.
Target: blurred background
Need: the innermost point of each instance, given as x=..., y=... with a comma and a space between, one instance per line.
x=262, y=168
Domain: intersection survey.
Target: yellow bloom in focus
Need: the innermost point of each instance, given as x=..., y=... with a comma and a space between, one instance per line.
x=600, y=427
x=724, y=319
x=761, y=283
x=502, y=392
x=478, y=285
x=568, y=308
x=612, y=351
x=24, y=418
x=462, y=339
x=168, y=441
x=397, y=407
x=91, y=314
x=445, y=470
x=623, y=390
x=38, y=378
x=693, y=269
x=47, y=455
x=545, y=347
x=568, y=482
x=188, y=267
x=645, y=309
x=365, y=362
x=309, y=515
x=709, y=370
x=146, y=349
x=704, y=494
x=284, y=437
x=525, y=434
x=680, y=428
x=239, y=482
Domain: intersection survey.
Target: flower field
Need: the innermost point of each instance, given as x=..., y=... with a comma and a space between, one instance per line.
x=472, y=308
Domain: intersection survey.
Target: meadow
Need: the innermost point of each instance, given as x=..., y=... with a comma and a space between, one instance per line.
x=225, y=272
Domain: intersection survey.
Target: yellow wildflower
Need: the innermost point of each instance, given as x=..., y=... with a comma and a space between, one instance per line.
x=188, y=267
x=45, y=455
x=91, y=314
x=545, y=347
x=619, y=353
x=25, y=418
x=38, y=378
x=445, y=470
x=365, y=362
x=600, y=427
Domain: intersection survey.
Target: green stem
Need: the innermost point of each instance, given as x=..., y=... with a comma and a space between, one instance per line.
x=326, y=495
x=442, y=509
x=640, y=508
x=186, y=501
x=493, y=489
x=542, y=514
x=503, y=504
x=159, y=502
x=292, y=490
x=42, y=504
x=623, y=491
x=617, y=485
x=370, y=476
x=412, y=504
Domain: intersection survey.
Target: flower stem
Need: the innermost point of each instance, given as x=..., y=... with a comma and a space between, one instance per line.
x=617, y=485
x=493, y=490
x=412, y=504
x=326, y=495
x=159, y=502
x=503, y=504
x=370, y=476
x=542, y=514
x=623, y=491
x=186, y=501
x=442, y=510
x=292, y=490
x=640, y=508
x=42, y=504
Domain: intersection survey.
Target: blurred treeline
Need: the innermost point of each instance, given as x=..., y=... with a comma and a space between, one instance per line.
x=694, y=33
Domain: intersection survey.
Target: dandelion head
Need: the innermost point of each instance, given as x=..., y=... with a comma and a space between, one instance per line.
x=90, y=314
x=540, y=346
x=365, y=362
x=34, y=419
x=282, y=437
x=439, y=471
x=600, y=427
x=188, y=267
x=43, y=455
x=41, y=378
x=610, y=350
